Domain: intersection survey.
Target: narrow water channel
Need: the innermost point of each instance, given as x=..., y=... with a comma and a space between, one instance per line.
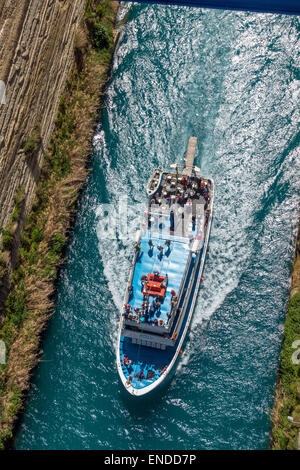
x=232, y=80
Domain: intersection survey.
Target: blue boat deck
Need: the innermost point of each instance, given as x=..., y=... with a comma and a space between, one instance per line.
x=147, y=364
x=172, y=262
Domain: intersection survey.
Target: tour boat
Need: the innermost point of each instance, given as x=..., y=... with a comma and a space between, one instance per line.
x=165, y=275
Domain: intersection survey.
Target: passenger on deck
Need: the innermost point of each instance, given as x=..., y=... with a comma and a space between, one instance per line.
x=150, y=374
x=181, y=201
x=165, y=282
x=146, y=296
x=152, y=310
x=174, y=301
x=161, y=249
x=126, y=362
x=129, y=380
x=162, y=369
x=150, y=243
x=173, y=293
x=140, y=375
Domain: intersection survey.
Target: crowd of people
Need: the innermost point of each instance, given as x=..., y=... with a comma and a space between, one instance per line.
x=140, y=374
x=150, y=312
x=183, y=189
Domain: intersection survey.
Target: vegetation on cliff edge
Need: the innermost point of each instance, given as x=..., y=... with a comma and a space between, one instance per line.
x=30, y=300
x=285, y=432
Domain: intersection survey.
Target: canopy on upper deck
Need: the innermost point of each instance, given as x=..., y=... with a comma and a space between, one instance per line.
x=171, y=261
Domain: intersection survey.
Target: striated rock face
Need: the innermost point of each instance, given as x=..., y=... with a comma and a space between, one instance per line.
x=36, y=54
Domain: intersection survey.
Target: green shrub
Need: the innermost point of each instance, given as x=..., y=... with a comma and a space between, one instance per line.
x=57, y=243
x=4, y=437
x=3, y=269
x=30, y=145
x=101, y=37
x=62, y=105
x=33, y=142
x=15, y=401
x=16, y=304
x=37, y=235
x=18, y=199
x=284, y=433
x=100, y=11
x=7, y=239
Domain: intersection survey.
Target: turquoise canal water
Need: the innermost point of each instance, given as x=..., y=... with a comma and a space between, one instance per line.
x=232, y=80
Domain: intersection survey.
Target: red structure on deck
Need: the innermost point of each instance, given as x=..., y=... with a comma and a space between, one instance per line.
x=153, y=285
